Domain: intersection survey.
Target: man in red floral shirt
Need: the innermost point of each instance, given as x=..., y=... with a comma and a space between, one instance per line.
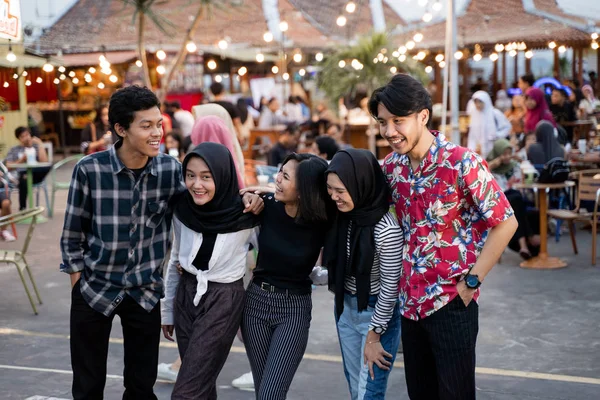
x=456, y=223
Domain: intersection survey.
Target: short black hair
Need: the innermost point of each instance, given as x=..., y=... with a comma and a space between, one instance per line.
x=402, y=96
x=20, y=130
x=216, y=88
x=327, y=146
x=124, y=103
x=528, y=78
x=176, y=104
x=562, y=91
x=314, y=204
x=329, y=125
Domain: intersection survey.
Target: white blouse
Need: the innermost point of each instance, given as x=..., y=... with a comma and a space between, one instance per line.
x=227, y=263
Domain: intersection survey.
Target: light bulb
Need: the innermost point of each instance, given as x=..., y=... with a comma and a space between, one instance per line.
x=56, y=81
x=161, y=55
x=529, y=54
x=402, y=58
x=211, y=64
x=27, y=82
x=477, y=57
x=297, y=57
x=72, y=74
x=341, y=20
x=6, y=84
x=62, y=69
x=410, y=45
x=114, y=79
x=418, y=37
x=11, y=57
x=62, y=77
x=100, y=85
x=350, y=7
x=355, y=64
x=275, y=69
x=442, y=64
x=594, y=45
x=242, y=71
x=302, y=72
x=260, y=57
x=439, y=58
x=342, y=64
x=75, y=81
x=437, y=6
x=393, y=70
x=39, y=79
x=458, y=55
x=319, y=57
x=552, y=45
x=562, y=49
x=427, y=17
x=499, y=47
x=191, y=46
x=92, y=70
x=218, y=78
x=139, y=64
x=512, y=53
x=268, y=37
x=395, y=54
x=48, y=67
x=494, y=57
x=402, y=49
x=286, y=76
x=222, y=44
x=25, y=73
x=594, y=36
x=15, y=76
x=161, y=69
x=283, y=26
x=88, y=78
x=421, y=55
x=428, y=69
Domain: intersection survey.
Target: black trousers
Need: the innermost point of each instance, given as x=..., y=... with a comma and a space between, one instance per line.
x=38, y=175
x=529, y=221
x=90, y=332
x=439, y=353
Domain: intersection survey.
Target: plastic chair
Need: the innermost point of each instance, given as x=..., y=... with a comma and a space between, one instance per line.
x=16, y=257
x=56, y=185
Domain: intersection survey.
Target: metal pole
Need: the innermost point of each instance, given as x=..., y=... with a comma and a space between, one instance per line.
x=454, y=105
x=447, y=57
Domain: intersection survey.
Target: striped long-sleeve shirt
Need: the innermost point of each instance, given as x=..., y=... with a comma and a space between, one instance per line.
x=386, y=271
x=116, y=229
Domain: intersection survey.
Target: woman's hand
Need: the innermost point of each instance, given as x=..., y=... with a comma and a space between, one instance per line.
x=376, y=354
x=253, y=203
x=168, y=332
x=257, y=190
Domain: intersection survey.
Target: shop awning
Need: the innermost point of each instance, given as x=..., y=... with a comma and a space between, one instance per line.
x=85, y=59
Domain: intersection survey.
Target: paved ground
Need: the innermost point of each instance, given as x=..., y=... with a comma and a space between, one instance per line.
x=539, y=333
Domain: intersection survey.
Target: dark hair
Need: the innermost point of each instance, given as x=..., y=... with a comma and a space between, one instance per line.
x=402, y=96
x=292, y=99
x=124, y=103
x=20, y=130
x=242, y=109
x=98, y=119
x=179, y=139
x=327, y=146
x=329, y=125
x=216, y=88
x=314, y=202
x=529, y=79
x=562, y=91
x=176, y=104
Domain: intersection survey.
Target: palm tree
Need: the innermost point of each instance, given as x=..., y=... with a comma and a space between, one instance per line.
x=360, y=70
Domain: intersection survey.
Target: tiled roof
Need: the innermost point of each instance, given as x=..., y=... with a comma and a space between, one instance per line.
x=493, y=21
x=551, y=7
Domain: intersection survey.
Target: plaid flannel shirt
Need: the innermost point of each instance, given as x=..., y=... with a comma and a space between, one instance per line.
x=116, y=229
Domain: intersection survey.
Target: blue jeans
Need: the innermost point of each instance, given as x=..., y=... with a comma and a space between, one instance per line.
x=352, y=328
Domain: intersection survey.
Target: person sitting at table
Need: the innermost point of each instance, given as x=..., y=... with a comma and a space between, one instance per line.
x=324, y=147
x=18, y=155
x=537, y=110
x=591, y=157
x=5, y=204
x=590, y=104
x=563, y=111
x=486, y=125
x=284, y=146
x=546, y=147
x=506, y=171
x=96, y=136
x=271, y=115
x=335, y=131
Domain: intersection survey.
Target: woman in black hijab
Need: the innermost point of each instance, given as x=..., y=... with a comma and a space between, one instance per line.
x=363, y=254
x=212, y=239
x=546, y=147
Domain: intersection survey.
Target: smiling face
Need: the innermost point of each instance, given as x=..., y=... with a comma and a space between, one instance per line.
x=285, y=183
x=142, y=138
x=339, y=193
x=402, y=133
x=199, y=181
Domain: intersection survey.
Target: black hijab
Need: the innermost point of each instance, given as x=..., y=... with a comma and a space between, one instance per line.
x=224, y=213
x=547, y=146
x=362, y=176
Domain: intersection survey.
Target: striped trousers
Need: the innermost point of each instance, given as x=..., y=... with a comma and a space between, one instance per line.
x=439, y=353
x=275, y=330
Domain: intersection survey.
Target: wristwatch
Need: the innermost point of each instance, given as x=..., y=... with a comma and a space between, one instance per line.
x=472, y=281
x=377, y=329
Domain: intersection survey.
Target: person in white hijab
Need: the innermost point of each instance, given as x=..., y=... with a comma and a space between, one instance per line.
x=487, y=124
x=216, y=110
x=503, y=102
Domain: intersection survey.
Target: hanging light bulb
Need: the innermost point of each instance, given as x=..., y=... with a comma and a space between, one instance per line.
x=10, y=56
x=402, y=49
x=101, y=85
x=410, y=45
x=298, y=57
x=552, y=45
x=428, y=69
x=437, y=6
x=402, y=58
x=27, y=82
x=319, y=57
x=161, y=55
x=342, y=64
x=393, y=70
x=283, y=26
x=268, y=37
x=114, y=79
x=341, y=20
x=395, y=54
x=92, y=70
x=418, y=37
x=594, y=36
x=6, y=84
x=39, y=79
x=529, y=54
x=242, y=71
x=161, y=69
x=88, y=78
x=25, y=73
x=594, y=45
x=477, y=57
x=260, y=57
x=139, y=64
x=421, y=55
x=15, y=76
x=302, y=72
x=211, y=64
x=494, y=57
x=350, y=7
x=48, y=67
x=427, y=17
x=286, y=76
x=56, y=81
x=218, y=78
x=222, y=44
x=439, y=58
x=191, y=46
x=499, y=47
x=442, y=64
x=458, y=55
x=72, y=74
x=562, y=49
x=512, y=53
x=62, y=77
x=275, y=69
x=75, y=81
x=355, y=64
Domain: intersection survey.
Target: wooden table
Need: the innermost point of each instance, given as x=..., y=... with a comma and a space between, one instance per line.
x=30, y=168
x=543, y=261
x=581, y=128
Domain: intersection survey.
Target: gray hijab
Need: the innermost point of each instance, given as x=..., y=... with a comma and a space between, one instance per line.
x=547, y=146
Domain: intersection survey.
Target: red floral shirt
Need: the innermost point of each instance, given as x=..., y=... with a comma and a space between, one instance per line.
x=446, y=208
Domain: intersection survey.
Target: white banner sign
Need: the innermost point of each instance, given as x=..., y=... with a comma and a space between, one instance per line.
x=10, y=20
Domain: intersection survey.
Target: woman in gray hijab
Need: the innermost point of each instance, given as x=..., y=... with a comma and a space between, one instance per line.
x=546, y=147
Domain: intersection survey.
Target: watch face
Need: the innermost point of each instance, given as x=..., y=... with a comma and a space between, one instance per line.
x=378, y=330
x=472, y=281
